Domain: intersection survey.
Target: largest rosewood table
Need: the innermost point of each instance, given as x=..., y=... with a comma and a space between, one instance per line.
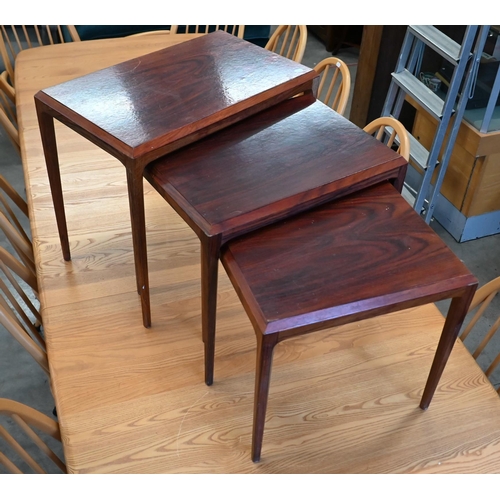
x=144, y=108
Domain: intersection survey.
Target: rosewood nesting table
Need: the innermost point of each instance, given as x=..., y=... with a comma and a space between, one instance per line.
x=286, y=159
x=146, y=107
x=365, y=255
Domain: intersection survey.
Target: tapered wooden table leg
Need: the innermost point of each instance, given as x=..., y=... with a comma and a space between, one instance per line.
x=456, y=315
x=265, y=347
x=210, y=252
x=138, y=223
x=47, y=132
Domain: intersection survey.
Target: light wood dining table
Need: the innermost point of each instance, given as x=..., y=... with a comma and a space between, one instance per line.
x=133, y=400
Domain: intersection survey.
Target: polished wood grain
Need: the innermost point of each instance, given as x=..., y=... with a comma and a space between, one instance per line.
x=139, y=106
x=286, y=159
x=130, y=400
x=358, y=257
x=143, y=108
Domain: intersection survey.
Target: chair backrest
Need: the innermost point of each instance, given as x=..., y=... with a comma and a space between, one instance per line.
x=235, y=29
x=482, y=299
x=15, y=305
x=8, y=265
x=391, y=131
x=289, y=41
x=14, y=39
x=8, y=115
x=155, y=32
x=12, y=227
x=335, y=83
x=17, y=274
x=26, y=419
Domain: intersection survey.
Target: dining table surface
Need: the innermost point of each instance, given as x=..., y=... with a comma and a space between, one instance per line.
x=133, y=400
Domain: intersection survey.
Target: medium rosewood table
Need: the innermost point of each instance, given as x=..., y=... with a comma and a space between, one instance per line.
x=284, y=160
x=129, y=400
x=146, y=107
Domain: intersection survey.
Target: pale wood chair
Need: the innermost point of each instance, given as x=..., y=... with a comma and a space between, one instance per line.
x=482, y=299
x=335, y=83
x=289, y=41
x=14, y=39
x=27, y=419
x=7, y=192
x=23, y=247
x=8, y=115
x=24, y=268
x=13, y=315
x=235, y=29
x=155, y=32
x=11, y=225
x=5, y=86
x=9, y=264
x=390, y=131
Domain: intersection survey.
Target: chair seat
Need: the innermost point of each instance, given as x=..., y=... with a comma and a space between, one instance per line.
x=365, y=253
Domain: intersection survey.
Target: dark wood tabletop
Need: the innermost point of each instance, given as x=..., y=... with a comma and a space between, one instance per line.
x=368, y=251
x=138, y=107
x=269, y=166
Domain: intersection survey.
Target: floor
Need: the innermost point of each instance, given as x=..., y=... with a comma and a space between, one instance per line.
x=22, y=379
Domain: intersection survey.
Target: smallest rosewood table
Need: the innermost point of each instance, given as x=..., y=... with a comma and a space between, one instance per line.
x=286, y=159
x=365, y=255
x=144, y=108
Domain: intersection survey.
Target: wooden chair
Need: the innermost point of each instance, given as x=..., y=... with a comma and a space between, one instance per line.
x=482, y=299
x=155, y=32
x=334, y=76
x=8, y=115
x=236, y=30
x=14, y=39
x=392, y=132
x=13, y=315
x=289, y=41
x=24, y=268
x=12, y=226
x=364, y=255
x=6, y=87
x=27, y=419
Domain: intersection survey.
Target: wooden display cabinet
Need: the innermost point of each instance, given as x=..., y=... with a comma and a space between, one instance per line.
x=469, y=205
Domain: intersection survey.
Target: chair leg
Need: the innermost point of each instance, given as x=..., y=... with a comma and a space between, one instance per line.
x=265, y=347
x=210, y=253
x=454, y=319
